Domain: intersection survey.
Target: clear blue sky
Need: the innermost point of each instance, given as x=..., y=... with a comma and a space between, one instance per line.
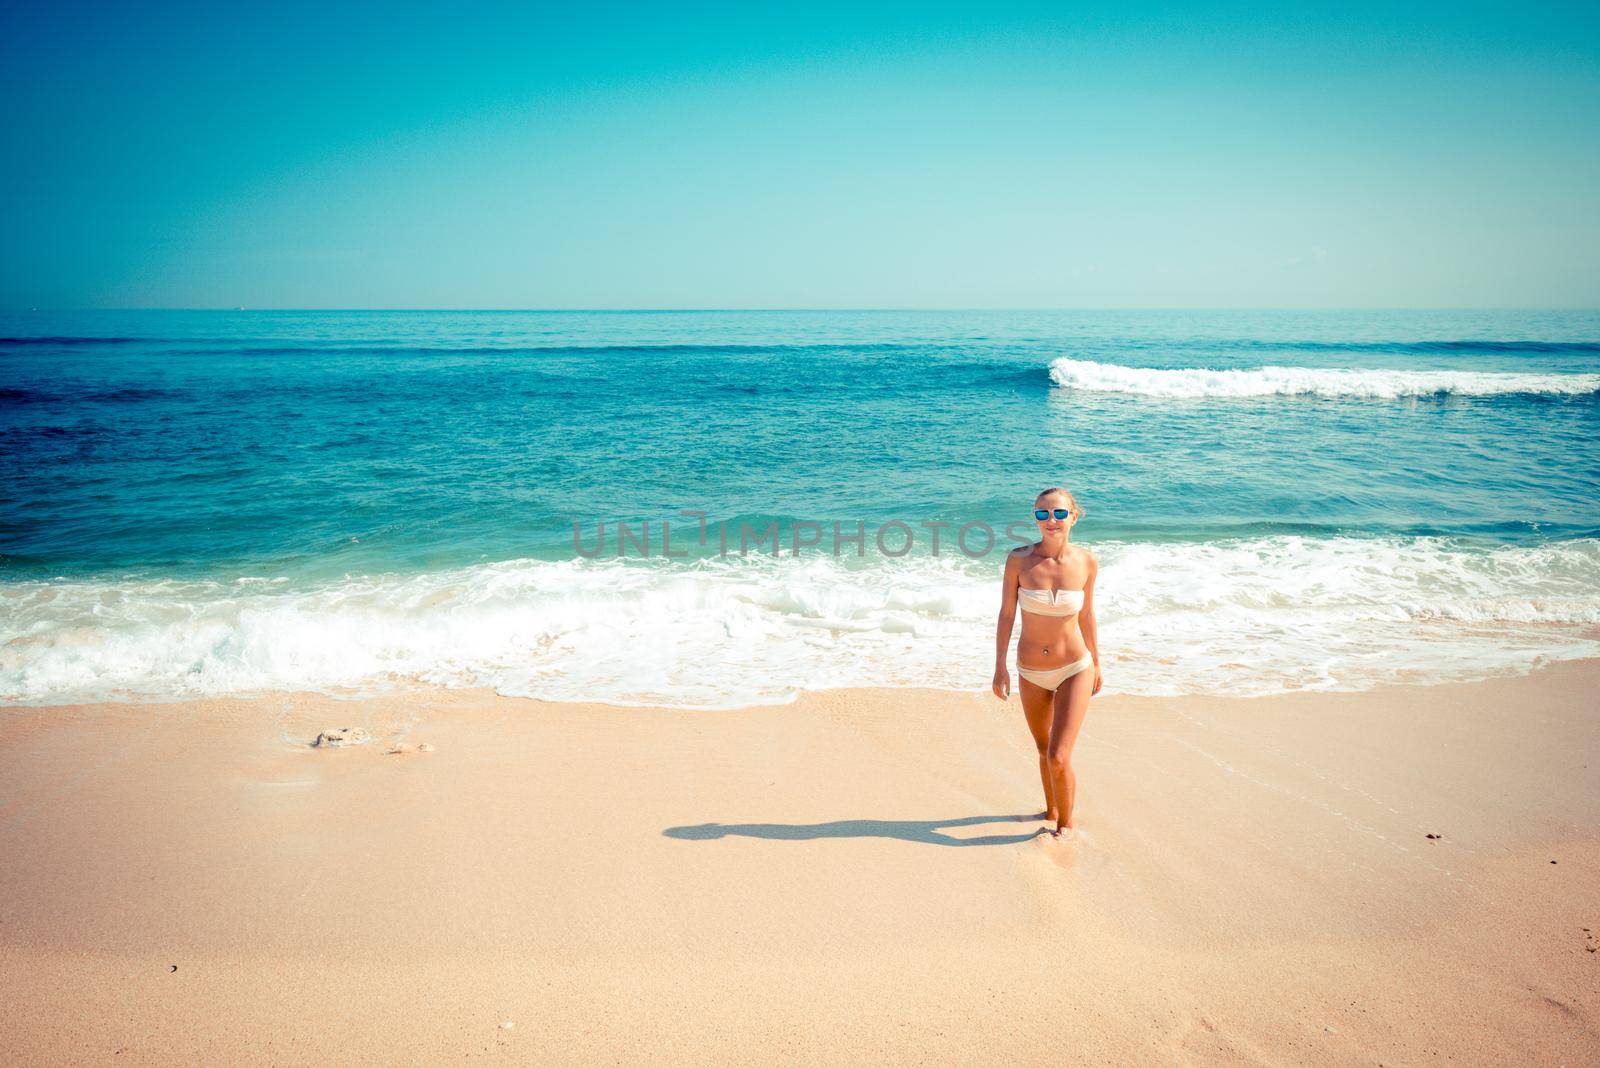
x=747, y=155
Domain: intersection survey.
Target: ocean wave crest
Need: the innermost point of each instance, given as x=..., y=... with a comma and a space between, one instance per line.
x=1363, y=383
x=1243, y=617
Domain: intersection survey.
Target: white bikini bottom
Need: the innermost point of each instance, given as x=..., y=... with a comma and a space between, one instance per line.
x=1052, y=678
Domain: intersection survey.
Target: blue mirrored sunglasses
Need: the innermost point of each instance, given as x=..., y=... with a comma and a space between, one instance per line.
x=1041, y=514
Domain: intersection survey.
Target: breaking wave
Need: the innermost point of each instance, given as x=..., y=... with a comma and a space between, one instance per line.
x=1244, y=616
x=1365, y=383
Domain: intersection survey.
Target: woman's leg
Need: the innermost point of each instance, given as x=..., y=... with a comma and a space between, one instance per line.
x=1071, y=705
x=1036, y=705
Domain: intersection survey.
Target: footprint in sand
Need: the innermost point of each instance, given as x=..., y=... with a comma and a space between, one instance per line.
x=1203, y=1039
x=1061, y=849
x=1073, y=848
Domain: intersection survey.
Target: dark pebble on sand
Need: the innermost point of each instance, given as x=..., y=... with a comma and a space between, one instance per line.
x=1435, y=836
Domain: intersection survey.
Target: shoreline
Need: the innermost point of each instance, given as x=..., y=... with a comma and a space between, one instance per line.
x=1284, y=614
x=842, y=877
x=423, y=690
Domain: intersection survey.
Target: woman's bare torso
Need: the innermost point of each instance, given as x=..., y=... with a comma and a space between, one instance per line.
x=1051, y=641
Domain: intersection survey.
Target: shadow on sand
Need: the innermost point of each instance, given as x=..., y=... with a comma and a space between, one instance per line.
x=926, y=831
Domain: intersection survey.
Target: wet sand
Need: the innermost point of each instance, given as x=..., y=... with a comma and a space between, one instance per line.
x=850, y=878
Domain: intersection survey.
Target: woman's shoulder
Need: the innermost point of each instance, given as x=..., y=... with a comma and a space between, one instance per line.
x=1087, y=557
x=1016, y=556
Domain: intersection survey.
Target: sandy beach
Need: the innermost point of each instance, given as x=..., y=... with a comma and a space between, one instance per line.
x=634, y=435
x=852, y=877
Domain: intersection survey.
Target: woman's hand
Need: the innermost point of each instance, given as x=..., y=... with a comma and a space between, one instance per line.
x=1098, y=681
x=1002, y=682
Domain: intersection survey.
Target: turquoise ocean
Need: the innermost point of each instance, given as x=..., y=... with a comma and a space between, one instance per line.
x=209, y=503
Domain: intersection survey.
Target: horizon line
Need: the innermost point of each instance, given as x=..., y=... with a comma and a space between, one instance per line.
x=643, y=310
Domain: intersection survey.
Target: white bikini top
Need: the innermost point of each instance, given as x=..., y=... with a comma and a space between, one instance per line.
x=1050, y=602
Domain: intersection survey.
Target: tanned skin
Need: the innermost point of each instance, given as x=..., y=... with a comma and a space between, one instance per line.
x=1054, y=719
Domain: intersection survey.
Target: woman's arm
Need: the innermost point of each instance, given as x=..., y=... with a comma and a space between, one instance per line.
x=1002, y=627
x=1086, y=624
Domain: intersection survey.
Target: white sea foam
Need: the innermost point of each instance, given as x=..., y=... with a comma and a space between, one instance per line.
x=1246, y=617
x=1370, y=384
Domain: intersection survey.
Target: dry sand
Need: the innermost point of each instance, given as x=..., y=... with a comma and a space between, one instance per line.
x=845, y=879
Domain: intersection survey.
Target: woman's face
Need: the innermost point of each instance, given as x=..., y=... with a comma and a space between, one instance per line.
x=1052, y=503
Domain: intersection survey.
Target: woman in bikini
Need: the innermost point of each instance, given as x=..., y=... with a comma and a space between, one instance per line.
x=1058, y=654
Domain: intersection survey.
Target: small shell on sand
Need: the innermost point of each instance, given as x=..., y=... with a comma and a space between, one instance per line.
x=508, y=1025
x=339, y=736
x=407, y=747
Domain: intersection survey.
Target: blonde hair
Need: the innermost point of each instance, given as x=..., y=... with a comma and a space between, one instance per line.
x=1078, y=511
